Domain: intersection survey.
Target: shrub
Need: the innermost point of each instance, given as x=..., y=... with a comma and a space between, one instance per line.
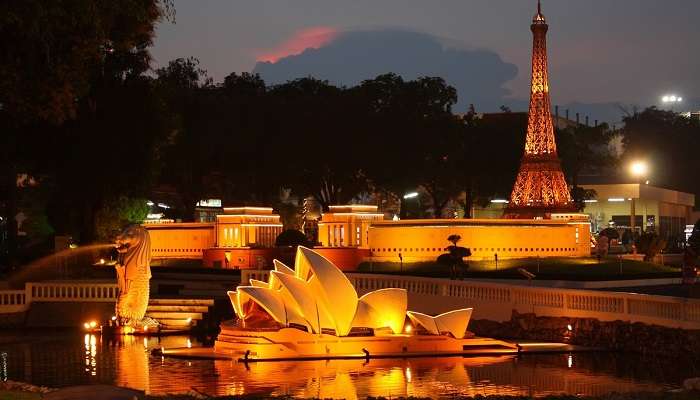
x=292, y=237
x=650, y=244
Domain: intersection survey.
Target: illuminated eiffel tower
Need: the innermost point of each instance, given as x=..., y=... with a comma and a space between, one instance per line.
x=540, y=188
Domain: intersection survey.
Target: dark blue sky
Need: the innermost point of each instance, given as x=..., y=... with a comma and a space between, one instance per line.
x=628, y=51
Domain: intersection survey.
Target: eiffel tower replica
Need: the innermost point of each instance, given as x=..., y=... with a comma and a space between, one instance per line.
x=540, y=188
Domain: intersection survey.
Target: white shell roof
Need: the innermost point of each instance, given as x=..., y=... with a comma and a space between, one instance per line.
x=318, y=295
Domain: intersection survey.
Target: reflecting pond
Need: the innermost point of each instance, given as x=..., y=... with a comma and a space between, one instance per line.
x=73, y=358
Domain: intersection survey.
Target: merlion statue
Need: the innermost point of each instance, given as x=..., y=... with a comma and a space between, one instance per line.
x=133, y=276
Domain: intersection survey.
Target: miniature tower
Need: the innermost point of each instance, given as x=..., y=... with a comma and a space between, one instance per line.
x=540, y=188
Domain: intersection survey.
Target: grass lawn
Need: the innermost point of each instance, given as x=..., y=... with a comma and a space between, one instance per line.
x=573, y=269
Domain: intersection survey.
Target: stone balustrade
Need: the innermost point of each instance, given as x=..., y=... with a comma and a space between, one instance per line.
x=14, y=301
x=496, y=302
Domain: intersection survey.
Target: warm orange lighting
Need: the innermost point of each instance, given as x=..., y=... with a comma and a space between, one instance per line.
x=93, y=324
x=408, y=328
x=102, y=260
x=639, y=168
x=145, y=328
x=114, y=317
x=86, y=325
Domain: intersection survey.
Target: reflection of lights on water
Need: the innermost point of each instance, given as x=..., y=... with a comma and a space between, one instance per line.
x=570, y=361
x=91, y=354
x=189, y=344
x=408, y=375
x=3, y=367
x=235, y=389
x=189, y=363
x=145, y=342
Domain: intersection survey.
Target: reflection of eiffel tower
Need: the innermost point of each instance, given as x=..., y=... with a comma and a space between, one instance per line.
x=540, y=188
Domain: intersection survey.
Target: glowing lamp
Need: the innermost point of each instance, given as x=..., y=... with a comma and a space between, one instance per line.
x=639, y=168
x=408, y=328
x=86, y=325
x=93, y=324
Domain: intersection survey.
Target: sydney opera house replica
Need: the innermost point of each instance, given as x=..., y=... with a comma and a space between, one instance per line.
x=314, y=312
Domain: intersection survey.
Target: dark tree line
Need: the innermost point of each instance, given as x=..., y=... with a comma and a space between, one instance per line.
x=91, y=123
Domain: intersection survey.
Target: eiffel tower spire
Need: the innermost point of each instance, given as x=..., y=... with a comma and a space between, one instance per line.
x=540, y=188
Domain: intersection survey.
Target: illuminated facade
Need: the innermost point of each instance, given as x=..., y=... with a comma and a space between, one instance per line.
x=247, y=227
x=347, y=226
x=244, y=237
x=425, y=240
x=237, y=239
x=540, y=188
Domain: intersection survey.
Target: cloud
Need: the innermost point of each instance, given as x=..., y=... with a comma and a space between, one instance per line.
x=311, y=38
x=479, y=75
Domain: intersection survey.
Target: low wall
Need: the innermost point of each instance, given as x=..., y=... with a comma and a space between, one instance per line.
x=425, y=240
x=496, y=302
x=652, y=340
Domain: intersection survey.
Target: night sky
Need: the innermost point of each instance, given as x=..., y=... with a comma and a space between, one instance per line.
x=627, y=51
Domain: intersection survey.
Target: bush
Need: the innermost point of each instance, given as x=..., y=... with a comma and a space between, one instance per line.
x=650, y=244
x=292, y=237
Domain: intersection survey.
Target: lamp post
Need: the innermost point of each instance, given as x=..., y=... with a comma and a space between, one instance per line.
x=639, y=169
x=407, y=196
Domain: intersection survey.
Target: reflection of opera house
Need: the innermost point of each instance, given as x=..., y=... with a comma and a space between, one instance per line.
x=243, y=237
x=314, y=311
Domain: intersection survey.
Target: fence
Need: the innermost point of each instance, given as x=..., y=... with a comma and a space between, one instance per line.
x=495, y=301
x=13, y=301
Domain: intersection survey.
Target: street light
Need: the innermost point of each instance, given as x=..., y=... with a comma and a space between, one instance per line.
x=671, y=100
x=411, y=195
x=639, y=169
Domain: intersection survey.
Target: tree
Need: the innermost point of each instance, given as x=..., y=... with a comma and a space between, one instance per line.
x=668, y=142
x=52, y=53
x=116, y=214
x=650, y=244
x=584, y=149
x=454, y=259
x=292, y=237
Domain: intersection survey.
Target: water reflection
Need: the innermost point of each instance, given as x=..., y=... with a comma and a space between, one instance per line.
x=127, y=361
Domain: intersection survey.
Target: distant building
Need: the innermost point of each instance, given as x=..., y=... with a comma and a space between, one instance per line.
x=640, y=207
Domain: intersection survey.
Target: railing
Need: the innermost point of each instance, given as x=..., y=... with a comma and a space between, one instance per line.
x=496, y=301
x=13, y=301
x=72, y=291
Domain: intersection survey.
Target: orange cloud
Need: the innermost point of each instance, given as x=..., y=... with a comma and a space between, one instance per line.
x=310, y=38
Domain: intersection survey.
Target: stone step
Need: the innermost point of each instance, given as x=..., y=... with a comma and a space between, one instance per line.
x=168, y=308
x=218, y=293
x=174, y=315
x=181, y=302
x=167, y=323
